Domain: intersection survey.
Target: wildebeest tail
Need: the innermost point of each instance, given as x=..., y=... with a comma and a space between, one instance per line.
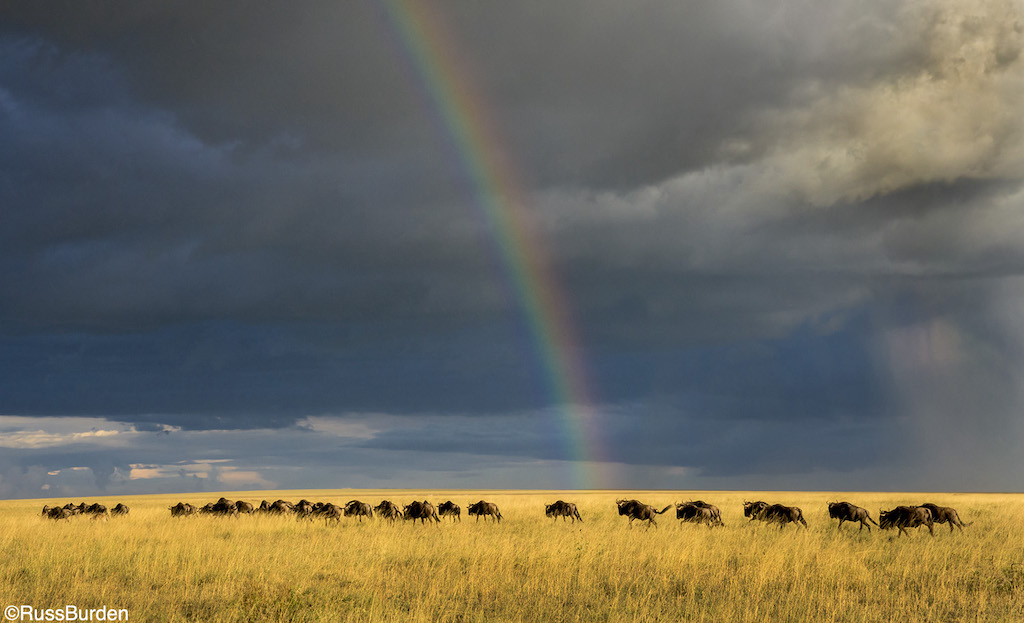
x=800, y=517
x=663, y=510
x=872, y=520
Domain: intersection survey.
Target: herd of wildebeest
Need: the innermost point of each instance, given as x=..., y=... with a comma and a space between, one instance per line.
x=95, y=510
x=698, y=512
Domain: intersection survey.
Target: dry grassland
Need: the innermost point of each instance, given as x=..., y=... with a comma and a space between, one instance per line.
x=527, y=568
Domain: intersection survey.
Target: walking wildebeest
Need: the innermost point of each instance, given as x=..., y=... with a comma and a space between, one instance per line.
x=421, y=510
x=688, y=512
x=388, y=510
x=303, y=509
x=328, y=512
x=181, y=509
x=635, y=509
x=450, y=509
x=223, y=506
x=96, y=509
x=752, y=509
x=563, y=510
x=244, y=507
x=774, y=513
x=280, y=507
x=945, y=514
x=845, y=511
x=716, y=515
x=120, y=509
x=484, y=509
x=906, y=517
x=46, y=510
x=359, y=509
x=58, y=512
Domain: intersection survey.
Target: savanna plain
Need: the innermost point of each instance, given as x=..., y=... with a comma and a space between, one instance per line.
x=526, y=568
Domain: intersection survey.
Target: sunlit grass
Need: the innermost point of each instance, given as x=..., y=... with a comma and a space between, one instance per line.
x=527, y=568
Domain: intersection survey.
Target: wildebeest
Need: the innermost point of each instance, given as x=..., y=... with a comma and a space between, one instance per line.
x=328, y=512
x=58, y=512
x=945, y=514
x=484, y=509
x=691, y=512
x=120, y=509
x=903, y=517
x=243, y=507
x=359, y=509
x=280, y=507
x=563, y=510
x=422, y=511
x=46, y=510
x=223, y=506
x=716, y=514
x=96, y=509
x=635, y=509
x=774, y=513
x=845, y=511
x=450, y=509
x=303, y=508
x=181, y=509
x=388, y=510
x=751, y=509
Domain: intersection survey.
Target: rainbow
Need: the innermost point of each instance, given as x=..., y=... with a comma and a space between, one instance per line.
x=501, y=198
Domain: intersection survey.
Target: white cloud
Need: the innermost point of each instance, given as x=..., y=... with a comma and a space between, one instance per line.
x=353, y=426
x=957, y=112
x=32, y=432
x=22, y=432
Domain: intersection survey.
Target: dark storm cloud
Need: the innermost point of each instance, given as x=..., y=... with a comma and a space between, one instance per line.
x=772, y=222
x=129, y=219
x=614, y=97
x=216, y=375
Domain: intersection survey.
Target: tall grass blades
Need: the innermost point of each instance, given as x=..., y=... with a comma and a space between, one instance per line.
x=528, y=567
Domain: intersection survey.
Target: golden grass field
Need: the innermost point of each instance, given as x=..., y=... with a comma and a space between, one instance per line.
x=528, y=568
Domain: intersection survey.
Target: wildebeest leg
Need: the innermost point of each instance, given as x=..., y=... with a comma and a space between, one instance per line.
x=841, y=520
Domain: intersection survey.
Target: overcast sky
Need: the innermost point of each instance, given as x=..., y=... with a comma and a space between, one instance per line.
x=242, y=245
